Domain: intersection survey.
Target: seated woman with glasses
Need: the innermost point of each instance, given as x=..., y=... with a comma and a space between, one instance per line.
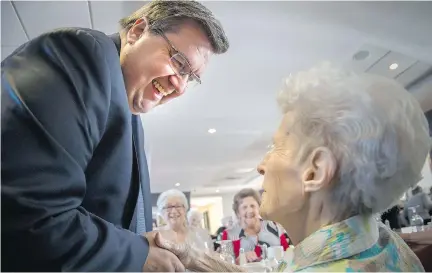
x=173, y=206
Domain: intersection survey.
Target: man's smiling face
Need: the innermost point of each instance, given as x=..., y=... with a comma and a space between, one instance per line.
x=158, y=67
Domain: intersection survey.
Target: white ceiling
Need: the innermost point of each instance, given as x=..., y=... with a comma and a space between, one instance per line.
x=269, y=40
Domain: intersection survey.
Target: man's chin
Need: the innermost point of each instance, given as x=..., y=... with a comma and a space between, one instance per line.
x=145, y=108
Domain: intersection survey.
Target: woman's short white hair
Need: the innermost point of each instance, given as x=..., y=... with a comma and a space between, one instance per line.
x=163, y=197
x=375, y=129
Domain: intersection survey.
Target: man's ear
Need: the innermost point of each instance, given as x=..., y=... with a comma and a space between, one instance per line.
x=320, y=170
x=139, y=28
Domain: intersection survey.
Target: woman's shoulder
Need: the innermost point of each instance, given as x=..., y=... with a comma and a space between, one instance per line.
x=273, y=227
x=389, y=253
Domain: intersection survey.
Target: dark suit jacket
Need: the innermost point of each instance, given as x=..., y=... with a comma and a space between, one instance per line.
x=72, y=158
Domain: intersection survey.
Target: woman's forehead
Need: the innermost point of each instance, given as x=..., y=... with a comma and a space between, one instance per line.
x=247, y=200
x=174, y=200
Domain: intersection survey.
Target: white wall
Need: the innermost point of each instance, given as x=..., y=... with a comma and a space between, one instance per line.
x=213, y=206
x=224, y=205
x=227, y=202
x=215, y=215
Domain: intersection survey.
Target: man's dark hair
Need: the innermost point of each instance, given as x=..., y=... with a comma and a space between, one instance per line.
x=168, y=16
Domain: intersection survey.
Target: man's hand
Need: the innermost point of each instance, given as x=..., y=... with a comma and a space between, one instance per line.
x=159, y=259
x=169, y=240
x=194, y=260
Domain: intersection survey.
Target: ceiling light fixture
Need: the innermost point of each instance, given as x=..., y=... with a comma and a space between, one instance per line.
x=217, y=190
x=393, y=66
x=212, y=131
x=177, y=184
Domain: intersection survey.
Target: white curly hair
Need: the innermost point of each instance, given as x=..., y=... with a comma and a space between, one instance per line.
x=163, y=197
x=375, y=129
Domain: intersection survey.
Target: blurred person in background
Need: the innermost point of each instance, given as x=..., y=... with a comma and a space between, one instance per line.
x=430, y=193
x=403, y=221
x=227, y=223
x=252, y=232
x=348, y=147
x=392, y=215
x=422, y=204
x=195, y=219
x=75, y=192
x=173, y=206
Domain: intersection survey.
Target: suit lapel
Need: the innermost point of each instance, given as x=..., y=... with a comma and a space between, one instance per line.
x=143, y=172
x=139, y=153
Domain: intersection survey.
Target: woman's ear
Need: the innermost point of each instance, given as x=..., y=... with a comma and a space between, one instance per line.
x=139, y=28
x=320, y=170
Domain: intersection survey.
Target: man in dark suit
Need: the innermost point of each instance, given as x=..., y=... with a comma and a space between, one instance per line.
x=75, y=184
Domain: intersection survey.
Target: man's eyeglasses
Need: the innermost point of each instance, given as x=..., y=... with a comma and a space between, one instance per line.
x=180, y=63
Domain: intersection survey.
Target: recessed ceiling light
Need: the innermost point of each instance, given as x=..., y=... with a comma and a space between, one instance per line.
x=212, y=131
x=217, y=190
x=393, y=66
x=177, y=184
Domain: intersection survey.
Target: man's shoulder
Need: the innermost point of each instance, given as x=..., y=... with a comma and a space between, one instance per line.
x=66, y=43
x=77, y=33
x=86, y=39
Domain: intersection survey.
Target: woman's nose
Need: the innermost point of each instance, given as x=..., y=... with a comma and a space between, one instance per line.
x=262, y=166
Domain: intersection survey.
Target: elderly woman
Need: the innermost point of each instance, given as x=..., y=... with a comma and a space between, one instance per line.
x=173, y=206
x=252, y=232
x=195, y=218
x=227, y=223
x=348, y=147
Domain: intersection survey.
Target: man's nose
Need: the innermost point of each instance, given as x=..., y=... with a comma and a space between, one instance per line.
x=179, y=83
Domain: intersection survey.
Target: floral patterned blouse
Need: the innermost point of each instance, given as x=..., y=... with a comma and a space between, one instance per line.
x=358, y=244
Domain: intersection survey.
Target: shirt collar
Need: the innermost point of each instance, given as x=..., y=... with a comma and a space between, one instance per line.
x=117, y=41
x=336, y=241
